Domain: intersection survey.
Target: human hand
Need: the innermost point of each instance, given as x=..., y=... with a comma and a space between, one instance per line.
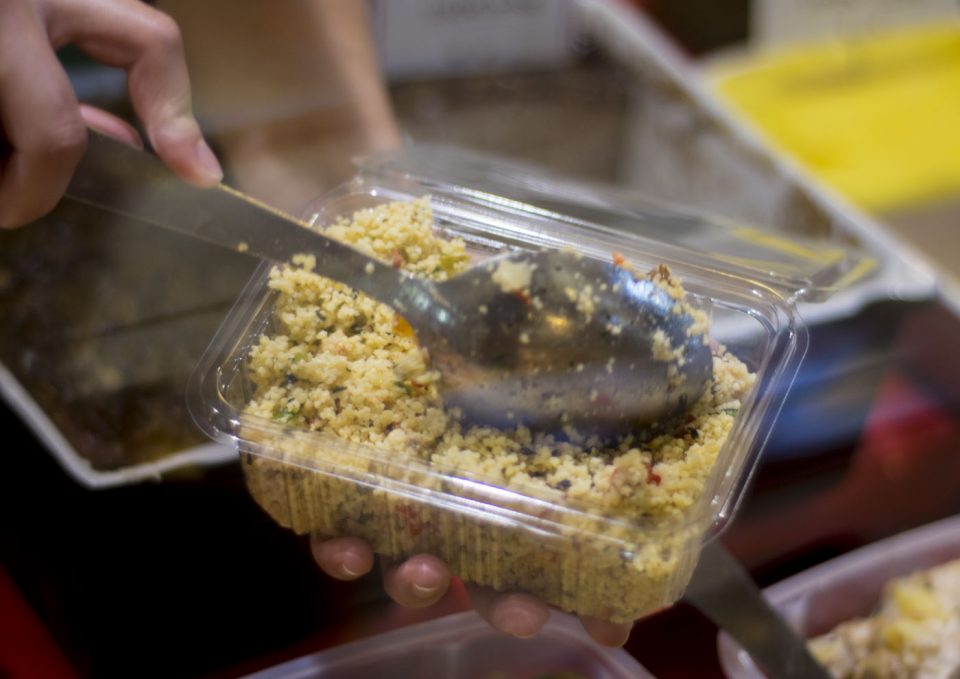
x=43, y=126
x=422, y=580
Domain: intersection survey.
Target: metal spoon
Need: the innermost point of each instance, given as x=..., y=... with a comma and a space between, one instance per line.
x=574, y=347
x=544, y=354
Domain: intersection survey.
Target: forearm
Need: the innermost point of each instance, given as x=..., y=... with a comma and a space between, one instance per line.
x=290, y=90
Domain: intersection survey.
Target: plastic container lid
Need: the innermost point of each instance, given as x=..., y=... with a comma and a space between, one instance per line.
x=803, y=269
x=463, y=646
x=577, y=556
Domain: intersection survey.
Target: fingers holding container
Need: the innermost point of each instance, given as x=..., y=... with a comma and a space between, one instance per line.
x=342, y=558
x=43, y=126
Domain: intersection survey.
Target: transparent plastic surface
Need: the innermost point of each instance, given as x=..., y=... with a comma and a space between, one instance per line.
x=817, y=600
x=573, y=554
x=463, y=646
x=810, y=268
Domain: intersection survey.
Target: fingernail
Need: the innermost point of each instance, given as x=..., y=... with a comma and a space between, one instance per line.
x=132, y=141
x=350, y=573
x=519, y=631
x=208, y=161
x=517, y=623
x=522, y=629
x=424, y=592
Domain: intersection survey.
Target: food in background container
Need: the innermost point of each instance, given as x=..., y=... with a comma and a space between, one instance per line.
x=915, y=631
x=340, y=425
x=886, y=595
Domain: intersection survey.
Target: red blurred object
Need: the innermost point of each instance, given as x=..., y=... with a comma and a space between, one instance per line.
x=903, y=473
x=27, y=651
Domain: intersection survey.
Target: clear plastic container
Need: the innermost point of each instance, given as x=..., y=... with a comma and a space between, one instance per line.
x=574, y=555
x=817, y=600
x=463, y=646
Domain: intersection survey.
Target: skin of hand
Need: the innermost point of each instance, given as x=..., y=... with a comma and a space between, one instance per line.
x=422, y=580
x=43, y=128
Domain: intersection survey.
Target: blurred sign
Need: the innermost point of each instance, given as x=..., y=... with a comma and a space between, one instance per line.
x=442, y=38
x=780, y=21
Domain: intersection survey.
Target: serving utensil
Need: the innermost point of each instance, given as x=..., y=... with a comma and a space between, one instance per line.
x=541, y=338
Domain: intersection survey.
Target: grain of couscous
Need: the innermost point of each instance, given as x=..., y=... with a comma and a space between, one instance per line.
x=360, y=434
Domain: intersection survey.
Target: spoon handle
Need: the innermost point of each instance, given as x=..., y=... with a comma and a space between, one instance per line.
x=726, y=594
x=135, y=184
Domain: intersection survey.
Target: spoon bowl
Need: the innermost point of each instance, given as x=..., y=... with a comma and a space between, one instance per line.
x=552, y=339
x=544, y=339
